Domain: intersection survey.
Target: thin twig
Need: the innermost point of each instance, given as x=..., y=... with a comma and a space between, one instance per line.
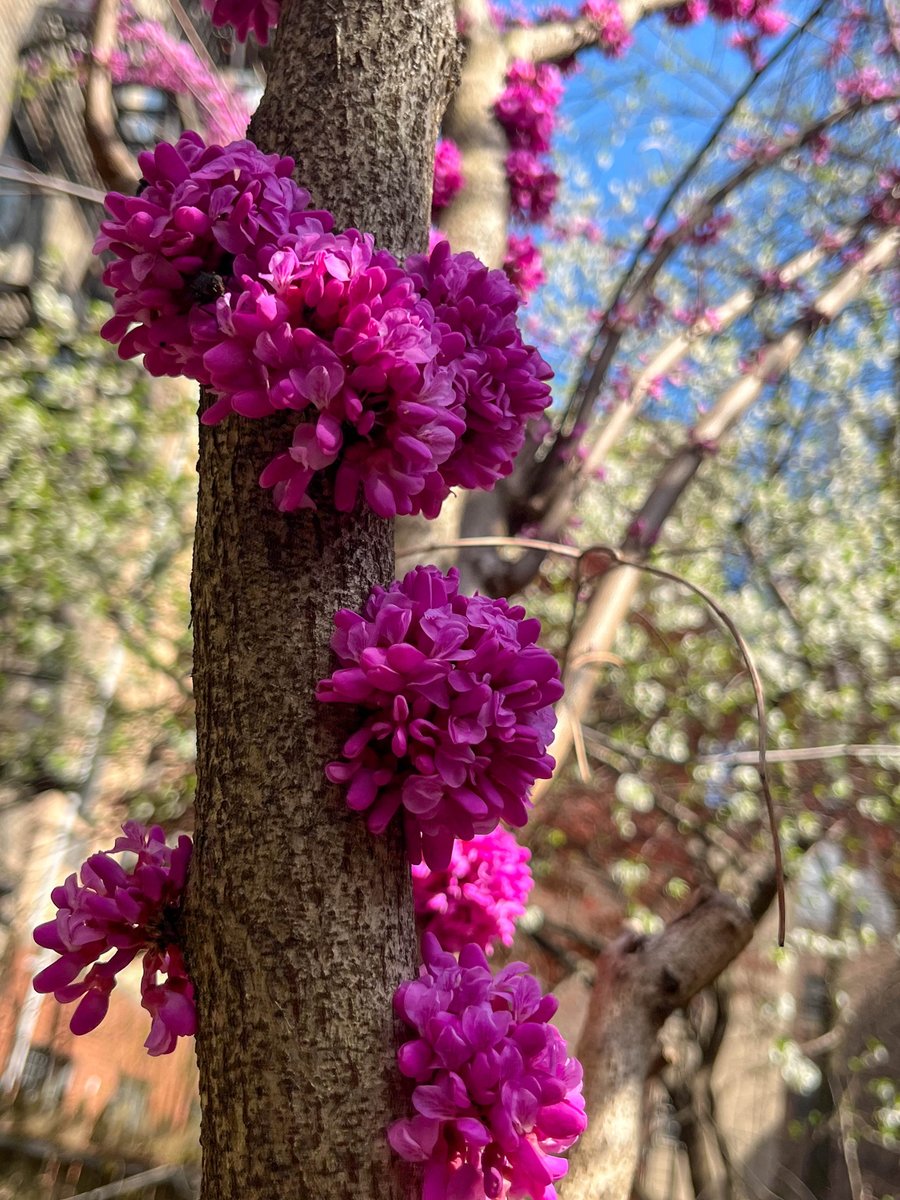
x=614, y=556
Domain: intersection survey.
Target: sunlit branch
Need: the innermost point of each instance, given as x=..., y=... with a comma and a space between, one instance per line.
x=115, y=163
x=578, y=471
x=614, y=594
x=626, y=308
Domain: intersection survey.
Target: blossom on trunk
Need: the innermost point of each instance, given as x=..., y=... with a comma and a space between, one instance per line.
x=173, y=245
x=457, y=702
x=329, y=327
x=123, y=913
x=499, y=380
x=479, y=896
x=497, y=1098
x=448, y=177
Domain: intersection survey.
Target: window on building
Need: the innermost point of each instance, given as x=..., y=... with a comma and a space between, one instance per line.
x=45, y=1077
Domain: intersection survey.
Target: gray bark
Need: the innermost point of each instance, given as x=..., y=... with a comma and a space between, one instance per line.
x=299, y=922
x=640, y=981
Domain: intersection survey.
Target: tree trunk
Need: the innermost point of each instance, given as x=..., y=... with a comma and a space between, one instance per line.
x=299, y=922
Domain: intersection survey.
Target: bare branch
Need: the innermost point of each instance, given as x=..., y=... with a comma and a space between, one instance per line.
x=30, y=177
x=114, y=162
x=626, y=307
x=616, y=590
x=640, y=982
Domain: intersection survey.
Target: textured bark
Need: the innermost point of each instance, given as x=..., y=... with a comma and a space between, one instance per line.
x=640, y=982
x=299, y=922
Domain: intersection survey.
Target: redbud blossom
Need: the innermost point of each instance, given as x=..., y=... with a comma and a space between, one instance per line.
x=457, y=701
x=496, y=1099
x=123, y=913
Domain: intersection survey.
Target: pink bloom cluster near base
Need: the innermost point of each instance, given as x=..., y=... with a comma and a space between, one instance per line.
x=122, y=913
x=401, y=382
x=496, y=1099
x=458, y=701
x=479, y=896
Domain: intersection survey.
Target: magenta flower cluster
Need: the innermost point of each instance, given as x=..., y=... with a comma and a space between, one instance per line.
x=526, y=108
x=479, y=896
x=448, y=177
x=407, y=381
x=147, y=53
x=245, y=16
x=523, y=265
x=497, y=1099
x=458, y=701
x=174, y=244
x=613, y=35
x=500, y=382
x=123, y=913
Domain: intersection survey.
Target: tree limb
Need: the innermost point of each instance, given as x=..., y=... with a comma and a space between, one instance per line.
x=613, y=597
x=577, y=473
x=640, y=982
x=555, y=41
x=112, y=158
x=625, y=308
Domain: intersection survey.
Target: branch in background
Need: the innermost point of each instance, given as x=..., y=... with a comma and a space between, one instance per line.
x=556, y=41
x=172, y=1175
x=613, y=596
x=112, y=158
x=578, y=472
x=807, y=754
x=21, y=172
x=640, y=982
x=624, y=309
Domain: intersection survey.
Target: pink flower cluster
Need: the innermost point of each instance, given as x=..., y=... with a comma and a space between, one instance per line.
x=613, y=35
x=885, y=204
x=126, y=912
x=759, y=18
x=527, y=105
x=523, y=265
x=496, y=1099
x=258, y=16
x=147, y=53
x=458, y=698
x=499, y=381
x=334, y=329
x=526, y=109
x=869, y=84
x=407, y=381
x=448, y=178
x=174, y=244
x=479, y=896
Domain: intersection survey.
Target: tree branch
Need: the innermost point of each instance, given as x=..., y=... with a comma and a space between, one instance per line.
x=640, y=982
x=555, y=41
x=624, y=309
x=115, y=163
x=615, y=593
x=577, y=472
